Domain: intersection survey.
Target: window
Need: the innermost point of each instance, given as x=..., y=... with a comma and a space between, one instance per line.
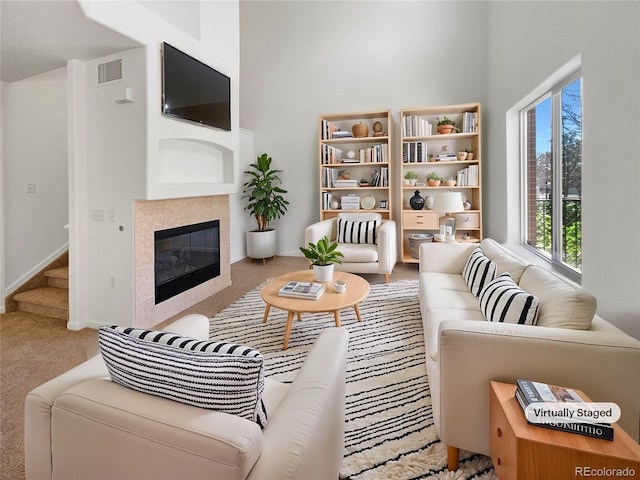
x=551, y=129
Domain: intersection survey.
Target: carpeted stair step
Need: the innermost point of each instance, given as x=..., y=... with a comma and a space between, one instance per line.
x=58, y=277
x=48, y=301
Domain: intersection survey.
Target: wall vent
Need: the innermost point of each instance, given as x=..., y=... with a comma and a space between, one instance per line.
x=110, y=71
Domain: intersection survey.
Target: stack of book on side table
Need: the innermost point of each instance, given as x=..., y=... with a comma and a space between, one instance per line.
x=308, y=290
x=566, y=410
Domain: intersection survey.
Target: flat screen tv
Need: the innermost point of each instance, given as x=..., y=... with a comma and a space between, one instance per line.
x=194, y=91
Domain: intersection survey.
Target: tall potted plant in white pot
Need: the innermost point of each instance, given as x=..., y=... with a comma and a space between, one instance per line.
x=265, y=203
x=322, y=255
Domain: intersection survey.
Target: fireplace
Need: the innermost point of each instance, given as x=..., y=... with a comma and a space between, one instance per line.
x=185, y=257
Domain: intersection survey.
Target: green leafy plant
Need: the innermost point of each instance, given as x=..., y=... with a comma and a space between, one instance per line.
x=410, y=175
x=434, y=176
x=324, y=252
x=446, y=121
x=266, y=202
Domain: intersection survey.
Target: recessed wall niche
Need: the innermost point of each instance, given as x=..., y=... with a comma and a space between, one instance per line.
x=190, y=161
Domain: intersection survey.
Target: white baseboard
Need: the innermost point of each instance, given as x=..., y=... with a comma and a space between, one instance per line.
x=34, y=271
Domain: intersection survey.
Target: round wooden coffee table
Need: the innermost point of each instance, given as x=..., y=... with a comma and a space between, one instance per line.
x=329, y=301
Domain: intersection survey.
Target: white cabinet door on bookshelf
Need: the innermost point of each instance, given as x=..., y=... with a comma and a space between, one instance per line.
x=355, y=160
x=434, y=160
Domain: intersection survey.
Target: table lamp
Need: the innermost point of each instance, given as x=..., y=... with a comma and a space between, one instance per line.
x=448, y=203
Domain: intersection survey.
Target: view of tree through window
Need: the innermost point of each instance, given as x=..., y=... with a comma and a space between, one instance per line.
x=553, y=156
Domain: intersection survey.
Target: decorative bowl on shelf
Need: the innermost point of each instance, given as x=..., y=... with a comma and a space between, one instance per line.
x=450, y=183
x=368, y=202
x=360, y=130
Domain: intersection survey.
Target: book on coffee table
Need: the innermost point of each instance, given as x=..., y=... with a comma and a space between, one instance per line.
x=308, y=290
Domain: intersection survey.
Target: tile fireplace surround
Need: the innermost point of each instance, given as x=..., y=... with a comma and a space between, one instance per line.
x=153, y=215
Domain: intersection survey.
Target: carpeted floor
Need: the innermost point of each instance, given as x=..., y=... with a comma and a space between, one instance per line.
x=389, y=431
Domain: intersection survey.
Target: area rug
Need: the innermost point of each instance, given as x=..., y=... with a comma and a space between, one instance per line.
x=389, y=431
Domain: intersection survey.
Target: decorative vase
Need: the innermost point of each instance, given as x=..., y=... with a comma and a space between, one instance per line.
x=360, y=130
x=428, y=202
x=323, y=273
x=416, y=202
x=335, y=205
x=462, y=156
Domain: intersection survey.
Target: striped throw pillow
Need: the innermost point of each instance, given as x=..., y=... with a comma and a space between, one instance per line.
x=357, y=232
x=478, y=271
x=502, y=300
x=214, y=375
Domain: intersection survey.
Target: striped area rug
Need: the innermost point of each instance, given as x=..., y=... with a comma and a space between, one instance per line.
x=389, y=431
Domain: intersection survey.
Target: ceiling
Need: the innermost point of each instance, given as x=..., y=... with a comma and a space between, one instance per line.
x=41, y=35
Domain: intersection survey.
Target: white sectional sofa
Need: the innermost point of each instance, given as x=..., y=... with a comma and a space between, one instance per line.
x=81, y=425
x=569, y=345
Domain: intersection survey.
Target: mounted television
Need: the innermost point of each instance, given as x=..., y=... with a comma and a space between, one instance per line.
x=194, y=91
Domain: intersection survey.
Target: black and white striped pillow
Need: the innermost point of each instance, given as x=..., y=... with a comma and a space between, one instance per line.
x=214, y=375
x=502, y=300
x=357, y=231
x=478, y=271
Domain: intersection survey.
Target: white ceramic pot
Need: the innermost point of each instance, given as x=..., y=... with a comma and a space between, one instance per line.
x=261, y=244
x=323, y=273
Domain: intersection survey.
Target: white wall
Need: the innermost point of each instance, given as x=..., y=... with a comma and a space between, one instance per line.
x=240, y=219
x=303, y=59
x=35, y=152
x=114, y=174
x=528, y=41
x=116, y=148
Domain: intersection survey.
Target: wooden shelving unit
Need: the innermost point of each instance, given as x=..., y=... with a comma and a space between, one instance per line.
x=371, y=161
x=419, y=149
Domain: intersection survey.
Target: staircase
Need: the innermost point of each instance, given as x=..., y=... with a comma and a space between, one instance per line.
x=51, y=300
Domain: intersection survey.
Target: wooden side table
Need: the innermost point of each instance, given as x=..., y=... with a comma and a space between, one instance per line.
x=520, y=451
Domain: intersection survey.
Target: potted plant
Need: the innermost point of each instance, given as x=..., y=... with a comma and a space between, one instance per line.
x=410, y=178
x=266, y=203
x=322, y=255
x=344, y=174
x=446, y=125
x=433, y=179
x=469, y=153
x=462, y=155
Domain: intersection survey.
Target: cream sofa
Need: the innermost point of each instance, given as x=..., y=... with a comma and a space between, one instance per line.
x=81, y=425
x=570, y=345
x=360, y=258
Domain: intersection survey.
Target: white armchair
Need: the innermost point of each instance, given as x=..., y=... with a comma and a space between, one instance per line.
x=380, y=256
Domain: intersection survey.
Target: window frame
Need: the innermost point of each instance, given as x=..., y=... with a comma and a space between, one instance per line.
x=555, y=93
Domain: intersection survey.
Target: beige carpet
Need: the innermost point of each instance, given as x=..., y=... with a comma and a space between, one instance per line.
x=34, y=349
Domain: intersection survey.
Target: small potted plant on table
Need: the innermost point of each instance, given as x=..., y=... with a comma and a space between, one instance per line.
x=322, y=255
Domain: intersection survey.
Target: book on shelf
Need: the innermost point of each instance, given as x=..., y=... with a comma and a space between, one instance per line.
x=415, y=126
x=414, y=152
x=308, y=290
x=374, y=154
x=468, y=177
x=469, y=122
x=529, y=392
x=341, y=134
x=331, y=154
x=345, y=183
x=446, y=157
